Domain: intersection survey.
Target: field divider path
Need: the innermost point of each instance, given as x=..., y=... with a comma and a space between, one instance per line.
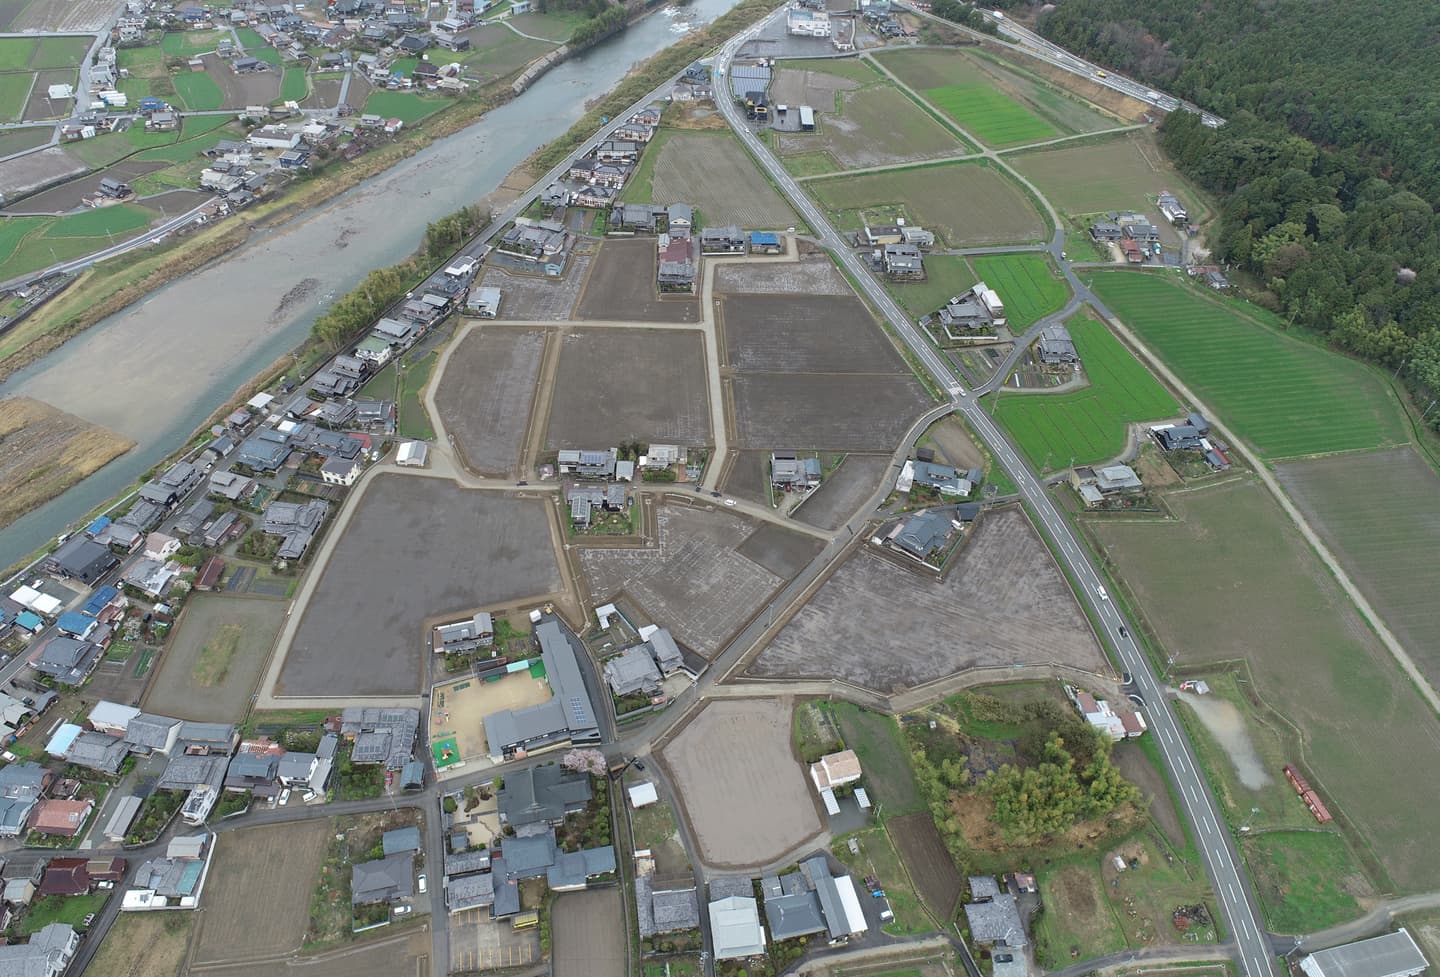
x=1267, y=477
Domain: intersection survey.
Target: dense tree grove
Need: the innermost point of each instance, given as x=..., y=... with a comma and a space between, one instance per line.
x=1041, y=800
x=1328, y=170
x=967, y=14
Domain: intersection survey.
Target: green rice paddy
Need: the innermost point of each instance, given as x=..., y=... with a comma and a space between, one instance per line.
x=1286, y=397
x=1027, y=285
x=199, y=91
x=1086, y=426
x=989, y=115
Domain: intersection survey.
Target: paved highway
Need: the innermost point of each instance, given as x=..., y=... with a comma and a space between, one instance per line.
x=1232, y=890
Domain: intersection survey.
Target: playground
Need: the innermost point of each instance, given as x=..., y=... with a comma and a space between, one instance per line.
x=459, y=708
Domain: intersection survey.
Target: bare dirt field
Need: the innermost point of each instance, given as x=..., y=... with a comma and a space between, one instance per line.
x=810, y=276
x=324, y=93
x=1137, y=768
x=1389, y=550
x=46, y=15
x=23, y=174
x=219, y=646
x=664, y=398
x=875, y=126
x=810, y=334
x=837, y=412
x=254, y=88
x=844, y=491
x=953, y=444
x=392, y=569
x=621, y=286
x=748, y=475
x=41, y=105
x=777, y=549
x=712, y=172
x=1003, y=602
x=65, y=198
x=251, y=891
x=535, y=297
x=815, y=372
x=486, y=392
x=174, y=201
x=693, y=580
x=745, y=792
x=459, y=708
x=399, y=955
x=589, y=934
x=144, y=945
x=802, y=86
x=936, y=878
x=44, y=451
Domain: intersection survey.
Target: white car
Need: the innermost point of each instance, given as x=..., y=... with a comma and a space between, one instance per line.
x=420, y=883
x=284, y=797
x=1104, y=595
x=404, y=910
x=729, y=501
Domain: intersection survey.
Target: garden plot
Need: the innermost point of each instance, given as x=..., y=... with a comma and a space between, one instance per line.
x=663, y=397
x=486, y=392
x=1255, y=592
x=713, y=173
x=1389, y=549
x=746, y=796
x=621, y=287
x=358, y=623
x=693, y=579
x=1003, y=603
x=214, y=659
x=963, y=203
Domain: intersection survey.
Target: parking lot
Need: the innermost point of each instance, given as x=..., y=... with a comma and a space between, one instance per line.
x=486, y=392
x=622, y=287
x=879, y=625
x=478, y=942
x=615, y=385
x=363, y=618
x=745, y=792
x=692, y=579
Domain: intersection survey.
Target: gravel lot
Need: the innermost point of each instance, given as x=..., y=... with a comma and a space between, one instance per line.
x=825, y=411
x=622, y=287
x=811, y=276
x=534, y=297
x=648, y=384
x=414, y=549
x=745, y=792
x=847, y=488
x=486, y=392
x=694, y=581
x=1003, y=602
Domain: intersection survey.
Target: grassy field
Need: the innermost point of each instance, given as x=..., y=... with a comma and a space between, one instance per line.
x=60, y=909
x=712, y=172
x=414, y=420
x=1117, y=173
x=199, y=91
x=28, y=244
x=946, y=275
x=1285, y=397
x=37, y=54
x=17, y=140
x=990, y=116
x=1027, y=284
x=294, y=87
x=191, y=43
x=144, y=945
x=1302, y=878
x=1388, y=549
x=405, y=106
x=14, y=92
x=878, y=857
x=964, y=203
x=1254, y=592
x=876, y=740
x=1086, y=426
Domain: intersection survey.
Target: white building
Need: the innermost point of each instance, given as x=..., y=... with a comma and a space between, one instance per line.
x=412, y=454
x=807, y=23
x=1391, y=955
x=735, y=928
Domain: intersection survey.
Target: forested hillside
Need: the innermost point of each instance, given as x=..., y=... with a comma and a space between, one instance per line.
x=1329, y=169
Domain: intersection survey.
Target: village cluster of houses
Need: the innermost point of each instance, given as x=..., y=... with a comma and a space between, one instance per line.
x=585, y=498
x=810, y=901
x=1137, y=238
x=925, y=537
x=897, y=249
x=1192, y=435
x=979, y=309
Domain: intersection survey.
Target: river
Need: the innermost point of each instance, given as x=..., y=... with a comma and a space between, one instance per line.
x=155, y=371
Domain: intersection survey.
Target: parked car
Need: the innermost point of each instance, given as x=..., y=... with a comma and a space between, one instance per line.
x=404, y=910
x=284, y=797
x=420, y=883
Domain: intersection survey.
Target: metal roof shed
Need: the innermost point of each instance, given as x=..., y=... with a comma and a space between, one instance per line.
x=1391, y=955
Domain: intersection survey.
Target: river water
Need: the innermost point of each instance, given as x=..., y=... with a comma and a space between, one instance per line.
x=155, y=371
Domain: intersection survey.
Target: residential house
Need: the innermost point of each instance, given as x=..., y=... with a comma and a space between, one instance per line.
x=636, y=132
x=1055, y=347
x=595, y=197
x=47, y=954
x=1171, y=207
x=263, y=451
x=462, y=636
x=258, y=773
x=790, y=472
x=387, y=879
x=648, y=116
x=618, y=151
x=225, y=525
x=1106, y=231
x=296, y=523
x=148, y=733
x=197, y=514
x=994, y=916
x=665, y=651
x=542, y=795
x=484, y=302
x=1179, y=437
x=1093, y=484
x=661, y=907
x=765, y=242
x=76, y=624
x=676, y=270
x=151, y=577
x=97, y=751
x=401, y=840
x=375, y=350
x=941, y=479
x=340, y=471
x=923, y=534
x=21, y=787
x=835, y=770
x=67, y=660
x=633, y=671
x=679, y=218
x=65, y=876
x=722, y=240
x=82, y=559
x=1142, y=232
x=879, y=235
x=395, y=332
x=232, y=486
x=1097, y=712
x=635, y=218
x=411, y=454
x=903, y=261
x=583, y=500
x=381, y=734
x=735, y=929
x=111, y=718
x=534, y=241
x=159, y=546
x=588, y=464
x=62, y=819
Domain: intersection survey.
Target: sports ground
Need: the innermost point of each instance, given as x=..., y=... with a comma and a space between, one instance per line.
x=459, y=708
